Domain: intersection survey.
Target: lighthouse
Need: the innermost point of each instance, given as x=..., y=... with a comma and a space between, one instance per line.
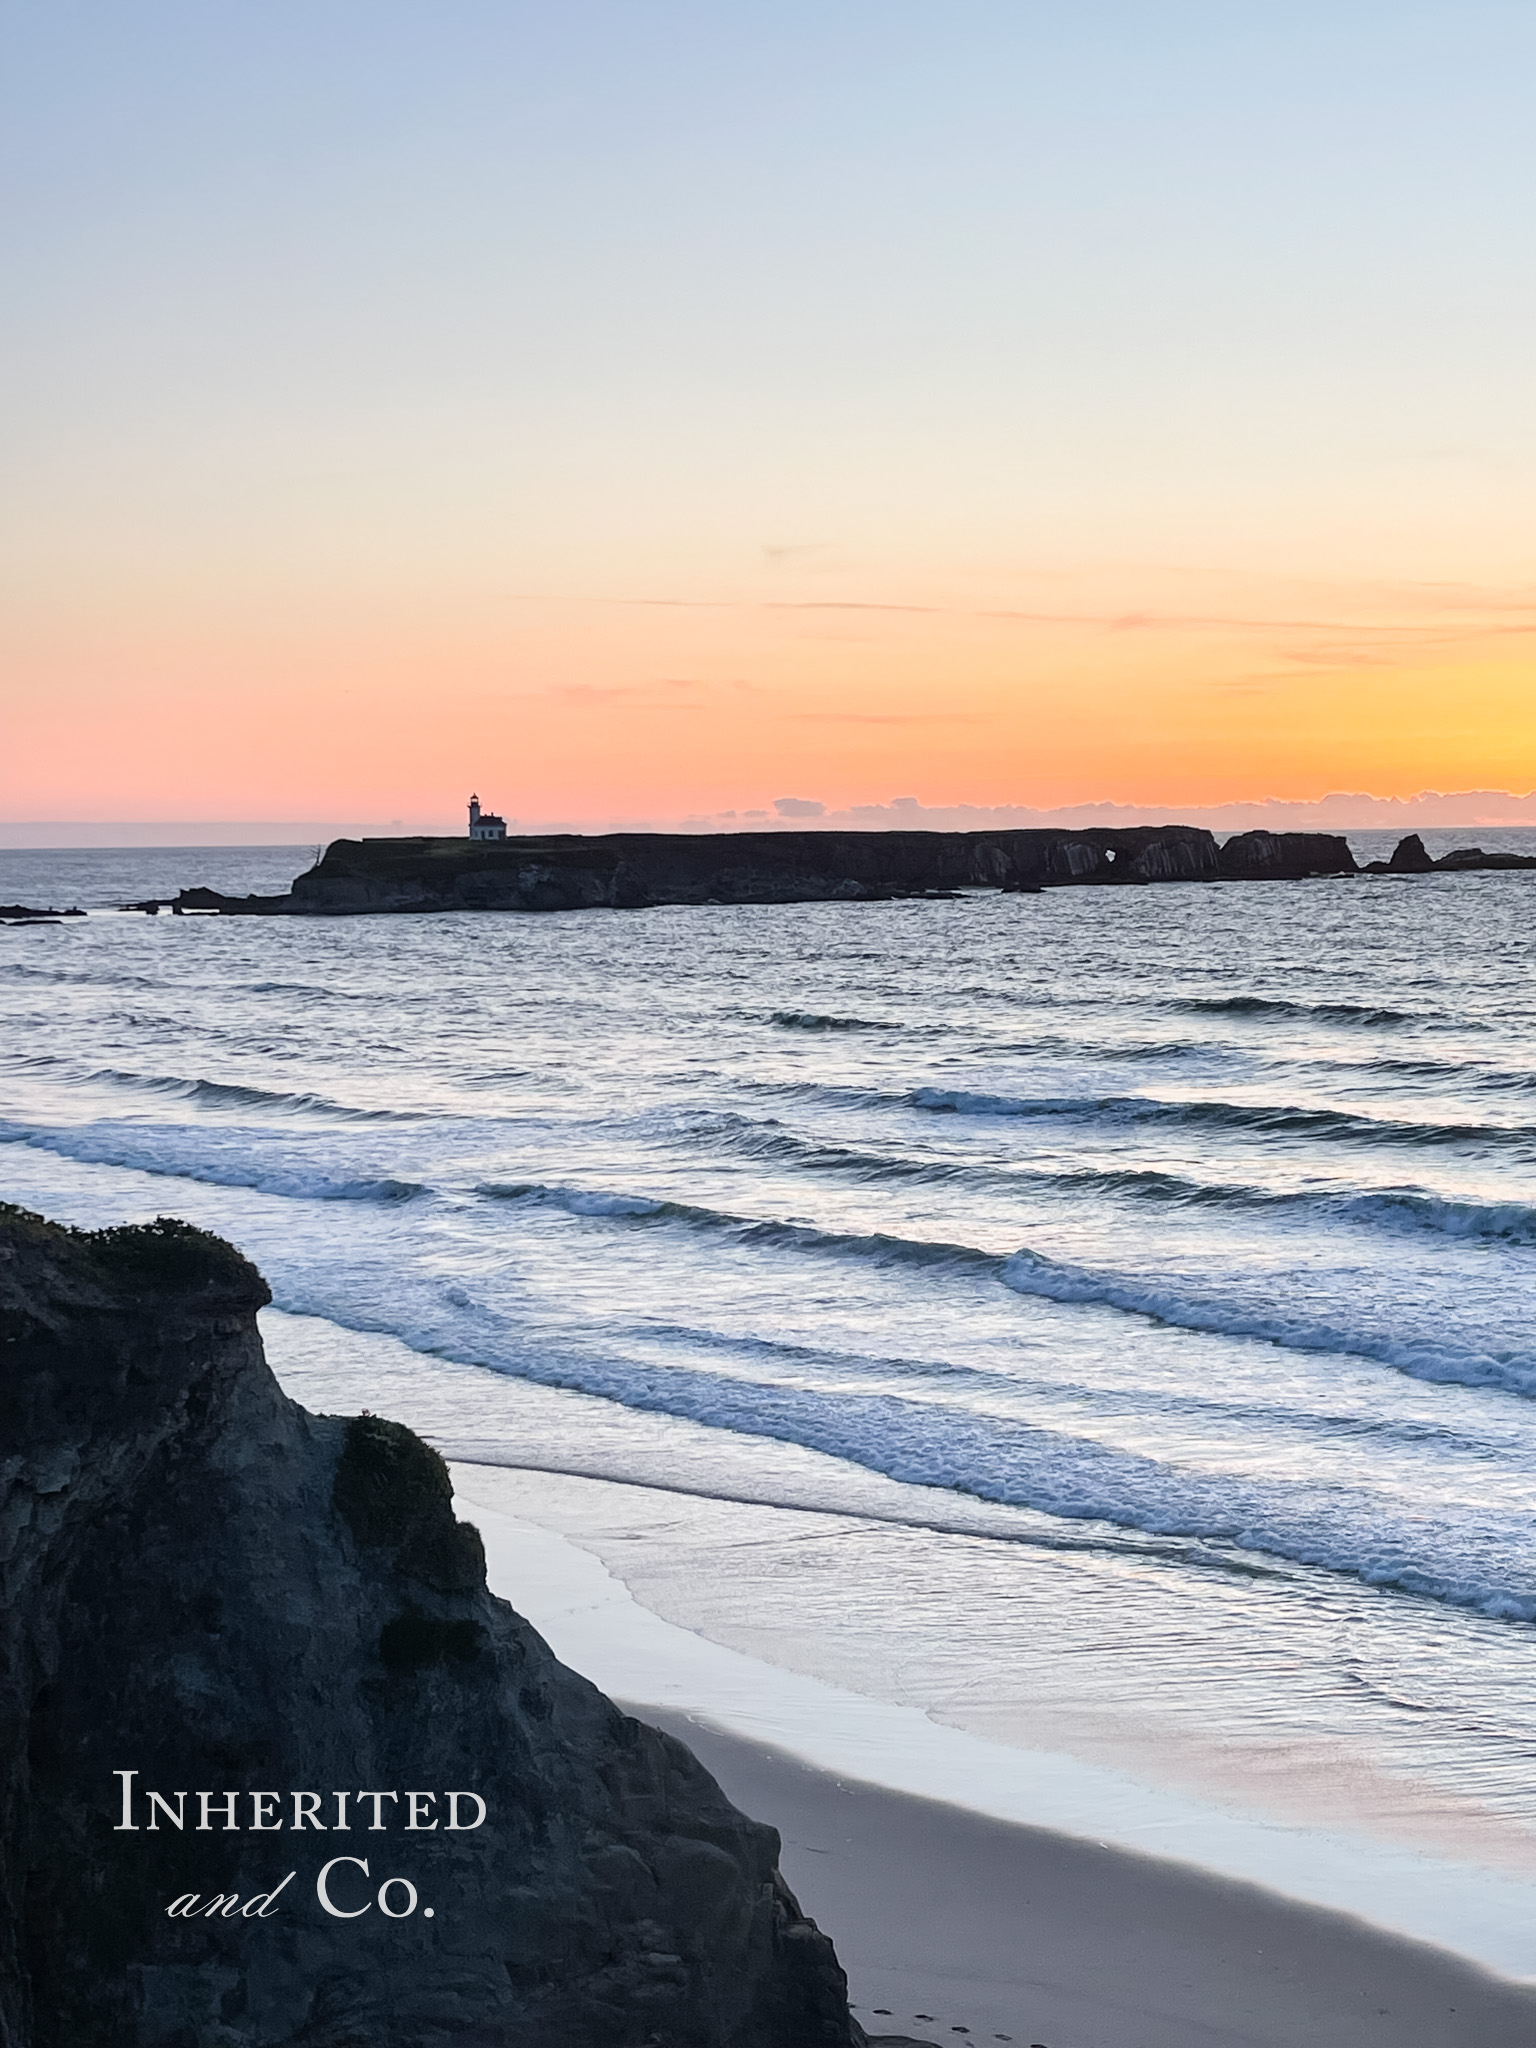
x=485, y=824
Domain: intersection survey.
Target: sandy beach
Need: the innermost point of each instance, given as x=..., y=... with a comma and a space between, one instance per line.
x=956, y=1923
x=951, y=1924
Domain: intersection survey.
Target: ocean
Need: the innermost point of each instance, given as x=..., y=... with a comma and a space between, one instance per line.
x=1101, y=1322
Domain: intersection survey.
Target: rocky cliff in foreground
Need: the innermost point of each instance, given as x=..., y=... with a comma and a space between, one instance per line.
x=637, y=870
x=240, y=1643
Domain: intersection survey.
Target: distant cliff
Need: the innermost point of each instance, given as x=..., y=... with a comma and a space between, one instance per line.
x=634, y=870
x=272, y=1617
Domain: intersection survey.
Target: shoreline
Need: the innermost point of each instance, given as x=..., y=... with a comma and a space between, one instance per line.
x=949, y=1923
x=1477, y=1919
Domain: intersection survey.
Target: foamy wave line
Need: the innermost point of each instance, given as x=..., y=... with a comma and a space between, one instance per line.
x=1410, y=1209
x=1399, y=1208
x=1030, y=1272
x=1033, y=1273
x=94, y=1145
x=1346, y=1530
x=1025, y=1271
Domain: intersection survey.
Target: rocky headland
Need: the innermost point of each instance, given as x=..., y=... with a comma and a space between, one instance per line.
x=244, y=1645
x=637, y=870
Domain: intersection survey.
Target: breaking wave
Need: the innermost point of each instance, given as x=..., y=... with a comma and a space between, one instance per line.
x=1073, y=1477
x=149, y=1148
x=1193, y=1307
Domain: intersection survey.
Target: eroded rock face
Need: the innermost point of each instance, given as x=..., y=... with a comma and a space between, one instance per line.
x=1410, y=855
x=205, y=1585
x=1285, y=856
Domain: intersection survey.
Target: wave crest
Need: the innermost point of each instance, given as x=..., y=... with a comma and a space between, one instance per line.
x=242, y=1095
x=1272, y=1119
x=1369, y=1014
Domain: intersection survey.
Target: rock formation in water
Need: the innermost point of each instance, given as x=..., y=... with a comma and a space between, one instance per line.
x=637, y=870
x=272, y=1617
x=1285, y=856
x=1411, y=856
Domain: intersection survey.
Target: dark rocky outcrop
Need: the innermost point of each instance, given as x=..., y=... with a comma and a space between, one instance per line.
x=1410, y=856
x=637, y=870
x=1285, y=856
x=211, y=899
x=20, y=913
x=1472, y=859
x=204, y=1584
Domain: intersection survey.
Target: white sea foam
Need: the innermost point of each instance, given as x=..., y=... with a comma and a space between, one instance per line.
x=1187, y=1309
x=1353, y=1528
x=229, y=1157
x=176, y=1154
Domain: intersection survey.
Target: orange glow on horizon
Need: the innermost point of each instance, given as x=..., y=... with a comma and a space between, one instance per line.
x=596, y=709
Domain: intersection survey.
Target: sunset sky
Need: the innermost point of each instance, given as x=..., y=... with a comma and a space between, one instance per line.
x=636, y=412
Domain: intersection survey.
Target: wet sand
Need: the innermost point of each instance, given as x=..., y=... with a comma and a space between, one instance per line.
x=953, y=1925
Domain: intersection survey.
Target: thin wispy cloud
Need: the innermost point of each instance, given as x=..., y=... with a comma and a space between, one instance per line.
x=787, y=553
x=889, y=717
x=644, y=692
x=1489, y=616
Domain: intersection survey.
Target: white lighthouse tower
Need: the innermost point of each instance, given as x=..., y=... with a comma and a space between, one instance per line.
x=485, y=824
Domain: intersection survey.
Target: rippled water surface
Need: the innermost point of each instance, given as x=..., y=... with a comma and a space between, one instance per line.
x=1104, y=1318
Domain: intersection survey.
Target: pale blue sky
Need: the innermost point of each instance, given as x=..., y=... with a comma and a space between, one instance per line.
x=1150, y=224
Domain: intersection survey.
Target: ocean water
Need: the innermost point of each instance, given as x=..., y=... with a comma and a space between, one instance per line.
x=1100, y=1320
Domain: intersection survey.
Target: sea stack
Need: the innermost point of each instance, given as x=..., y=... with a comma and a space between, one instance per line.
x=244, y=1645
